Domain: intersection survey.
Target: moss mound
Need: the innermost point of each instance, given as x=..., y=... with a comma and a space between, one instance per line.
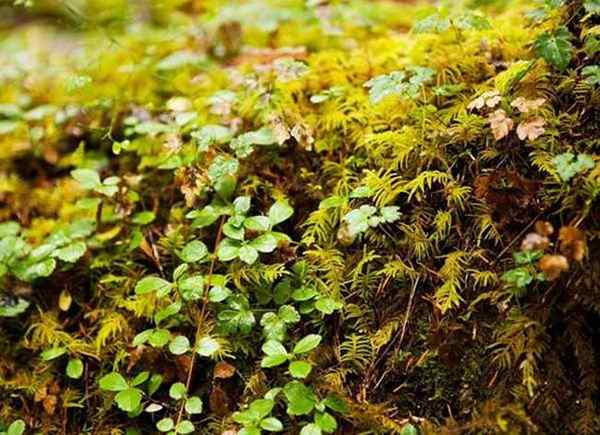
x=299, y=216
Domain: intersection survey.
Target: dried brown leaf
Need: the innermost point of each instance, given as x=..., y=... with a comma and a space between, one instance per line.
x=553, y=266
x=531, y=129
x=500, y=123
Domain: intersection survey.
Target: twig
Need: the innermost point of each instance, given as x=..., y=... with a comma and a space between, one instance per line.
x=201, y=319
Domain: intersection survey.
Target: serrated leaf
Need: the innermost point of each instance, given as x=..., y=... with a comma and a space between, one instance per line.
x=555, y=48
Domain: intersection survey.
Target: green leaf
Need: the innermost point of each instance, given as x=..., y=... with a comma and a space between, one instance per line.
x=279, y=212
x=88, y=178
x=271, y=424
x=300, y=369
x=142, y=337
x=358, y=220
x=71, y=253
x=307, y=344
x=74, y=368
x=591, y=75
x=177, y=391
x=151, y=284
x=192, y=287
x=273, y=360
x=326, y=305
x=232, y=231
x=288, y=314
x=336, y=404
x=207, y=346
x=390, y=214
x=165, y=425
x=53, y=353
x=113, y=382
x=265, y=243
x=310, y=429
x=143, y=218
x=304, y=293
x=193, y=405
x=228, y=250
x=326, y=422
x=273, y=347
x=519, y=277
x=592, y=6
x=248, y=254
x=527, y=257
x=179, y=345
x=567, y=165
x=241, y=205
x=159, y=338
x=262, y=407
x=207, y=216
x=140, y=378
x=10, y=228
x=257, y=223
x=332, y=202
x=409, y=429
x=434, y=23
x=185, y=427
x=168, y=311
x=17, y=427
x=129, y=400
x=31, y=271
x=218, y=294
x=154, y=383
x=13, y=310
x=555, y=48
x=301, y=399
x=193, y=251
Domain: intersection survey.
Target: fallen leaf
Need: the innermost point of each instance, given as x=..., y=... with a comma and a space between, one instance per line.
x=65, y=300
x=553, y=266
x=489, y=99
x=219, y=401
x=223, y=370
x=544, y=228
x=49, y=404
x=572, y=243
x=533, y=241
x=531, y=129
x=500, y=123
x=525, y=105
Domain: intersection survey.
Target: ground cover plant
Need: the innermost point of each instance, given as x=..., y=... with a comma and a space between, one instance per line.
x=307, y=217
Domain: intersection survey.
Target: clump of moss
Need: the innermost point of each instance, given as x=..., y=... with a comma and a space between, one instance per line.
x=300, y=216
